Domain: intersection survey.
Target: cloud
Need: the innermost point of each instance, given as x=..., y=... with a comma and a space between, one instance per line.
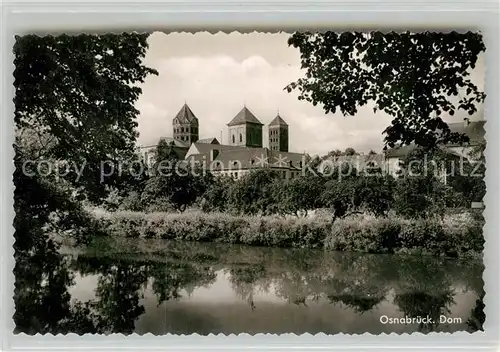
x=216, y=84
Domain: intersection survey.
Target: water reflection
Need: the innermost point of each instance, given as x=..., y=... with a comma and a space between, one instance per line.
x=211, y=288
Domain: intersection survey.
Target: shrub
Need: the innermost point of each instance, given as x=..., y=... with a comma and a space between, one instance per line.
x=132, y=201
x=452, y=235
x=364, y=234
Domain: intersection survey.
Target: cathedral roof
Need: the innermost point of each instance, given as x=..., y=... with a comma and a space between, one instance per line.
x=186, y=115
x=247, y=158
x=278, y=121
x=243, y=117
x=174, y=142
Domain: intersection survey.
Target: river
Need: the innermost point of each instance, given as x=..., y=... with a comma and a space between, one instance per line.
x=184, y=288
x=159, y=287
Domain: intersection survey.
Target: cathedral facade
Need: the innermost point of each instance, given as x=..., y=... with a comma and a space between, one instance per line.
x=244, y=151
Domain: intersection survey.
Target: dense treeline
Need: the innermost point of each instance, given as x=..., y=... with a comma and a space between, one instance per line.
x=419, y=190
x=453, y=235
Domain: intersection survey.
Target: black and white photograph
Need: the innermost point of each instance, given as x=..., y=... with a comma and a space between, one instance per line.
x=225, y=183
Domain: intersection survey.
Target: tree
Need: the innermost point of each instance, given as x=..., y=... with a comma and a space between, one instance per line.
x=340, y=197
x=467, y=176
x=217, y=194
x=74, y=108
x=165, y=151
x=174, y=183
x=298, y=195
x=334, y=153
x=78, y=93
x=375, y=191
x=421, y=192
x=311, y=164
x=350, y=152
x=410, y=76
x=254, y=192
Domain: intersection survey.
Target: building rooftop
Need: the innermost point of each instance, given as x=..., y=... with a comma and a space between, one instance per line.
x=175, y=142
x=358, y=161
x=278, y=121
x=474, y=130
x=170, y=141
x=246, y=158
x=243, y=117
x=211, y=140
x=186, y=115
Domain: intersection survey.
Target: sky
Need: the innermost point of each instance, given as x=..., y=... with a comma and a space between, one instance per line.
x=218, y=74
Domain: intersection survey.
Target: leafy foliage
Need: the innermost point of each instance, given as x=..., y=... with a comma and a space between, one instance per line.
x=298, y=195
x=253, y=193
x=422, y=190
x=217, y=195
x=74, y=109
x=410, y=76
x=174, y=182
x=79, y=93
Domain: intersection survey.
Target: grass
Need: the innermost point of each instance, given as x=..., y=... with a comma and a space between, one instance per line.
x=454, y=235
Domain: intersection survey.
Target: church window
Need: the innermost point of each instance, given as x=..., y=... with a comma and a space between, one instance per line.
x=241, y=137
x=233, y=138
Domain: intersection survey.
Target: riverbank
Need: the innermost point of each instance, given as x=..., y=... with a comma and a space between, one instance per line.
x=454, y=235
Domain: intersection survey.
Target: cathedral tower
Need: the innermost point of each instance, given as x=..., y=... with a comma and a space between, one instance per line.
x=278, y=134
x=185, y=125
x=245, y=130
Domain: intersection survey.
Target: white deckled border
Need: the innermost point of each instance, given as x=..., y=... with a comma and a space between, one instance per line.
x=116, y=16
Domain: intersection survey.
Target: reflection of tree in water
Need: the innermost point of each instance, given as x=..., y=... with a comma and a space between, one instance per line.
x=477, y=316
x=117, y=296
x=119, y=287
x=424, y=288
x=118, y=292
x=42, y=301
x=244, y=281
x=361, y=282
x=423, y=304
x=294, y=288
x=170, y=278
x=360, y=304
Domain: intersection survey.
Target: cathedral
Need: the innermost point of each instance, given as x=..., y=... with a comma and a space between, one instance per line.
x=244, y=151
